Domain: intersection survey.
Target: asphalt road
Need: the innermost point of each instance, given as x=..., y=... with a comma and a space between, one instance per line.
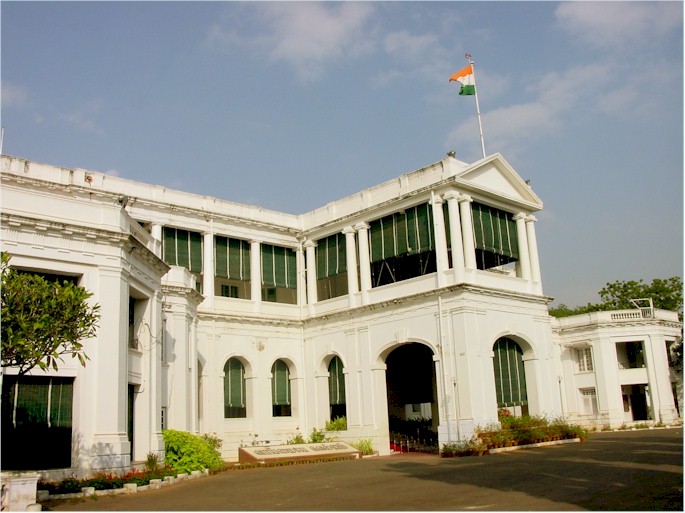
x=627, y=471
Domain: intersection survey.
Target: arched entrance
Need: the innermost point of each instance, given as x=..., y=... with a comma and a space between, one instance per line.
x=412, y=397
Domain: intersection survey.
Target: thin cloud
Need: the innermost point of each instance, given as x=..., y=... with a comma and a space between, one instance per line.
x=619, y=24
x=512, y=129
x=307, y=36
x=13, y=96
x=84, y=117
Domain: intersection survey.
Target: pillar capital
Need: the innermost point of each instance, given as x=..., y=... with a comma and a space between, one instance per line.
x=349, y=229
x=309, y=244
x=465, y=198
x=436, y=199
x=531, y=218
x=362, y=226
x=451, y=195
x=520, y=215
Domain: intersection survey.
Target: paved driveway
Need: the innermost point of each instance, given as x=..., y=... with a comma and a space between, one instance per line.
x=631, y=470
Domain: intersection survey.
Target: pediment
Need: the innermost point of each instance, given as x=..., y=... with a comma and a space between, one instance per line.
x=494, y=177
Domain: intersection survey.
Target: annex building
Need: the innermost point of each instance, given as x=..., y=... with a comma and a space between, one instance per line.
x=417, y=298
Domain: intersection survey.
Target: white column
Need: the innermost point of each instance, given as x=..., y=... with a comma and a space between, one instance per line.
x=301, y=276
x=441, y=259
x=522, y=237
x=467, y=232
x=156, y=232
x=310, y=255
x=351, y=254
x=457, y=246
x=109, y=447
x=533, y=249
x=256, y=273
x=364, y=261
x=208, y=268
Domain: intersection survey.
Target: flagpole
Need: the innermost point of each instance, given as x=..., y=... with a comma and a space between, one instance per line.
x=480, y=123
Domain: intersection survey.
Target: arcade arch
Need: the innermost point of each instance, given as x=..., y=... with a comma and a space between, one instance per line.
x=412, y=395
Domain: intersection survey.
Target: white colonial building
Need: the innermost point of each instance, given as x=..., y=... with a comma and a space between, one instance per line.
x=420, y=297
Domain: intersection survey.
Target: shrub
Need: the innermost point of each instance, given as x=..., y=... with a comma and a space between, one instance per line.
x=186, y=452
x=337, y=424
x=365, y=445
x=151, y=461
x=318, y=436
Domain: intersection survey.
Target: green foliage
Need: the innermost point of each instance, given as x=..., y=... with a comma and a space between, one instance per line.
x=365, y=445
x=43, y=321
x=318, y=436
x=213, y=440
x=337, y=424
x=151, y=462
x=666, y=294
x=186, y=452
x=296, y=439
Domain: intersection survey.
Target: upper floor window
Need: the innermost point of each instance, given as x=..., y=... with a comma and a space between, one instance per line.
x=183, y=248
x=402, y=245
x=279, y=274
x=630, y=355
x=495, y=236
x=331, y=266
x=584, y=359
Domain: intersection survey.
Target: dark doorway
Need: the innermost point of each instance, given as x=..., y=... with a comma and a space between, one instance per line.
x=131, y=415
x=412, y=393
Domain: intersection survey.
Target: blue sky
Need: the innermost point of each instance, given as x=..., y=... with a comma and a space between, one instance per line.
x=293, y=105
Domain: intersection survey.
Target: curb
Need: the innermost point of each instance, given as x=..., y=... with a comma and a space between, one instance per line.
x=128, y=488
x=530, y=446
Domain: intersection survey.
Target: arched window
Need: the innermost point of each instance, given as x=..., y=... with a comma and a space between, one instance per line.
x=280, y=389
x=234, y=390
x=510, y=375
x=336, y=388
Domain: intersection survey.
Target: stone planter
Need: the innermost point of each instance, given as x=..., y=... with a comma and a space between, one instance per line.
x=19, y=490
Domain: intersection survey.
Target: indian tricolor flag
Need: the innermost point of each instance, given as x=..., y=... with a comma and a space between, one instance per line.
x=465, y=78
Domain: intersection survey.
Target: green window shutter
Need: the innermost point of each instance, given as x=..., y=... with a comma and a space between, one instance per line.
x=291, y=268
x=268, y=277
x=321, y=260
x=169, y=237
x=409, y=232
x=182, y=249
x=234, y=384
x=376, y=241
x=238, y=259
x=494, y=231
x=280, y=267
x=512, y=237
x=510, y=377
x=388, y=237
x=32, y=402
x=61, y=402
x=195, y=252
x=342, y=253
x=424, y=218
x=280, y=383
x=402, y=238
x=331, y=256
x=221, y=256
x=446, y=216
x=336, y=382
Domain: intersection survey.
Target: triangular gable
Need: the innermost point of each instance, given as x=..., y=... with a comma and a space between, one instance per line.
x=494, y=176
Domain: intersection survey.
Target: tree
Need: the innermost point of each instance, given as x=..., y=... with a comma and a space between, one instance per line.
x=43, y=321
x=666, y=294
